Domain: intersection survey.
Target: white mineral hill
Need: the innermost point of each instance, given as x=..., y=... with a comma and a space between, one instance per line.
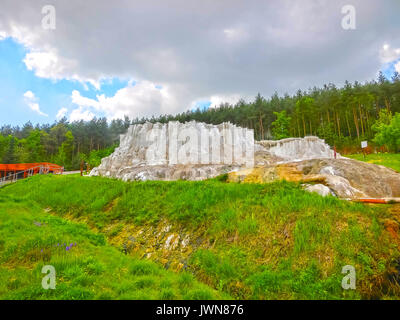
x=293, y=149
x=196, y=151
x=190, y=151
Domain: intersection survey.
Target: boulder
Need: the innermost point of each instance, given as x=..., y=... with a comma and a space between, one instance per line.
x=347, y=178
x=318, y=188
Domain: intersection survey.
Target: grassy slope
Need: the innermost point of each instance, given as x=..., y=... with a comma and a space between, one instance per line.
x=90, y=270
x=390, y=160
x=264, y=241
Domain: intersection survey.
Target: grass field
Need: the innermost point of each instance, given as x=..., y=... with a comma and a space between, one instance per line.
x=89, y=269
x=245, y=241
x=390, y=160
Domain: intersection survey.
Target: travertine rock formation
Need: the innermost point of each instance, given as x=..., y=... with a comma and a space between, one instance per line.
x=346, y=178
x=190, y=151
x=292, y=149
x=196, y=151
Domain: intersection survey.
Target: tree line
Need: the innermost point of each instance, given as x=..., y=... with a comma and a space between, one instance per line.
x=63, y=143
x=342, y=116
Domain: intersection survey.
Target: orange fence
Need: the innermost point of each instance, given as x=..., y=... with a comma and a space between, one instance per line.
x=22, y=170
x=379, y=201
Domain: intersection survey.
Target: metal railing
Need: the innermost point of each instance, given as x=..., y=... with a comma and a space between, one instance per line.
x=13, y=177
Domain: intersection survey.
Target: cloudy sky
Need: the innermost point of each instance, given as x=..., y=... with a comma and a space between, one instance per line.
x=139, y=58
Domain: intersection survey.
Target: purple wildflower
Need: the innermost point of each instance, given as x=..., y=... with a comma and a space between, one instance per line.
x=67, y=248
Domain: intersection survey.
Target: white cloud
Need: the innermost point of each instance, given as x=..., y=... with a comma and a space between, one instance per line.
x=44, y=58
x=397, y=67
x=30, y=100
x=83, y=101
x=388, y=54
x=142, y=99
x=29, y=95
x=46, y=64
x=51, y=65
x=3, y=35
x=61, y=113
x=81, y=114
x=197, y=51
x=216, y=100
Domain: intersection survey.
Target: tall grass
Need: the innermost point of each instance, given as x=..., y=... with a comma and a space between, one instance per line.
x=89, y=269
x=390, y=160
x=256, y=240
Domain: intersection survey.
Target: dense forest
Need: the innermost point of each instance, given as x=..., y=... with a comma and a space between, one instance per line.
x=63, y=143
x=342, y=116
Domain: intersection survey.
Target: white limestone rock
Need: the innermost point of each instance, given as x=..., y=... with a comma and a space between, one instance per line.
x=296, y=149
x=318, y=188
x=189, y=151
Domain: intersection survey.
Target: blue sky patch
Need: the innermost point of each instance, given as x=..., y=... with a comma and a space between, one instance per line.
x=202, y=105
x=16, y=79
x=389, y=69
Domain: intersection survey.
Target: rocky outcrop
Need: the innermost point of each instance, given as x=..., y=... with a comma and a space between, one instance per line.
x=346, y=178
x=318, y=188
x=189, y=151
x=292, y=149
x=171, y=172
x=197, y=151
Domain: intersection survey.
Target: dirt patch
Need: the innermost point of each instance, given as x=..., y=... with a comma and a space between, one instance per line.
x=169, y=244
x=392, y=225
x=112, y=204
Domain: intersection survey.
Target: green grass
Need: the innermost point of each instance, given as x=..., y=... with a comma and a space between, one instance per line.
x=390, y=160
x=91, y=269
x=248, y=241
